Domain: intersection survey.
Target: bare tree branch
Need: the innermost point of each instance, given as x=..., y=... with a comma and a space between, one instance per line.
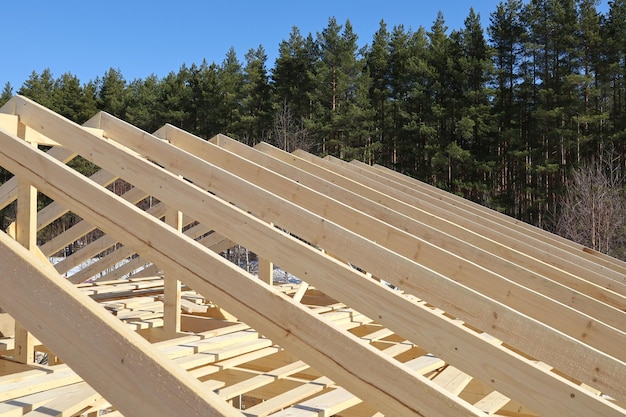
x=290, y=134
x=593, y=207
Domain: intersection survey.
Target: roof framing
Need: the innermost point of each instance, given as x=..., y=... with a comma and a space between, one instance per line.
x=467, y=276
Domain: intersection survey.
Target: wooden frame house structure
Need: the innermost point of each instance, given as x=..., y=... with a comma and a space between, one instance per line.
x=409, y=301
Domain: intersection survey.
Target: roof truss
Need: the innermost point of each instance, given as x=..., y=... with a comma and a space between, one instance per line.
x=488, y=299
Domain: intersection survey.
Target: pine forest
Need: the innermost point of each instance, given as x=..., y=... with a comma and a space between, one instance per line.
x=526, y=115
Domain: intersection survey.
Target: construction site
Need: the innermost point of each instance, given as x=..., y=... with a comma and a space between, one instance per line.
x=402, y=299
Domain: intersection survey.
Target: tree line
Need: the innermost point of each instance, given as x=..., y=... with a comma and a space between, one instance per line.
x=501, y=114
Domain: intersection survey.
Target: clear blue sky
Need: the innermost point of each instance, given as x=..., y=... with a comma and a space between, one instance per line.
x=141, y=37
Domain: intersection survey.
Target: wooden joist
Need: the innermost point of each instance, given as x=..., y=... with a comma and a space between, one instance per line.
x=221, y=182
x=524, y=299
x=393, y=383
x=485, y=312
x=114, y=360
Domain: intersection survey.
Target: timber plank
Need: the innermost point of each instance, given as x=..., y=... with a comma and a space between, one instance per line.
x=527, y=229
x=492, y=402
x=163, y=241
x=452, y=379
x=537, y=307
x=19, y=385
x=71, y=401
x=21, y=405
x=287, y=398
x=128, y=369
x=261, y=380
x=166, y=191
x=490, y=351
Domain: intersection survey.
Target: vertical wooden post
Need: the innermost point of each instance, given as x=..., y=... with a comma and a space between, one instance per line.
x=266, y=270
x=172, y=286
x=26, y=235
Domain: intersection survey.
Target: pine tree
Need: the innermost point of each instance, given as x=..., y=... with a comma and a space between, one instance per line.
x=343, y=114
x=441, y=60
x=7, y=93
x=89, y=101
x=411, y=103
x=615, y=53
x=230, y=82
x=256, y=105
x=111, y=93
x=203, y=100
x=468, y=110
x=592, y=114
x=68, y=97
x=553, y=33
x=506, y=37
x=142, y=103
x=293, y=75
x=174, y=96
x=378, y=66
x=39, y=88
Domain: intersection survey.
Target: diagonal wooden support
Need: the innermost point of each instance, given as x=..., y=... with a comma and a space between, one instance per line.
x=26, y=235
x=392, y=386
x=117, y=362
x=544, y=391
x=172, y=286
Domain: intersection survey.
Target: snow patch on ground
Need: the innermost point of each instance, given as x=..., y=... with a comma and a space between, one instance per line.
x=77, y=268
x=280, y=276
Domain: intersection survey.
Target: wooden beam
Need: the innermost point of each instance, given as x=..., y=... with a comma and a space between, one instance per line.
x=8, y=190
x=99, y=245
x=351, y=190
x=78, y=231
x=472, y=230
x=392, y=268
x=514, y=224
x=539, y=245
x=74, y=399
x=117, y=362
x=172, y=286
x=266, y=271
x=556, y=244
x=26, y=235
x=221, y=182
x=53, y=211
x=322, y=345
x=35, y=381
x=546, y=395
x=393, y=387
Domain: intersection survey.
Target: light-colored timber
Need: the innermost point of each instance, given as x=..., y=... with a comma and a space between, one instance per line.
x=141, y=314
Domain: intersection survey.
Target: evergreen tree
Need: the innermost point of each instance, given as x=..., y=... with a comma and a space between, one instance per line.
x=378, y=67
x=410, y=80
x=230, y=82
x=441, y=60
x=68, y=97
x=39, y=88
x=7, y=93
x=592, y=114
x=202, y=99
x=143, y=107
x=256, y=119
x=293, y=74
x=111, y=93
x=174, y=96
x=474, y=126
x=553, y=32
x=342, y=109
x=615, y=53
x=506, y=36
x=89, y=102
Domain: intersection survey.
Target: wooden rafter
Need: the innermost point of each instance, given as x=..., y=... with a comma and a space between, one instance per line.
x=487, y=307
